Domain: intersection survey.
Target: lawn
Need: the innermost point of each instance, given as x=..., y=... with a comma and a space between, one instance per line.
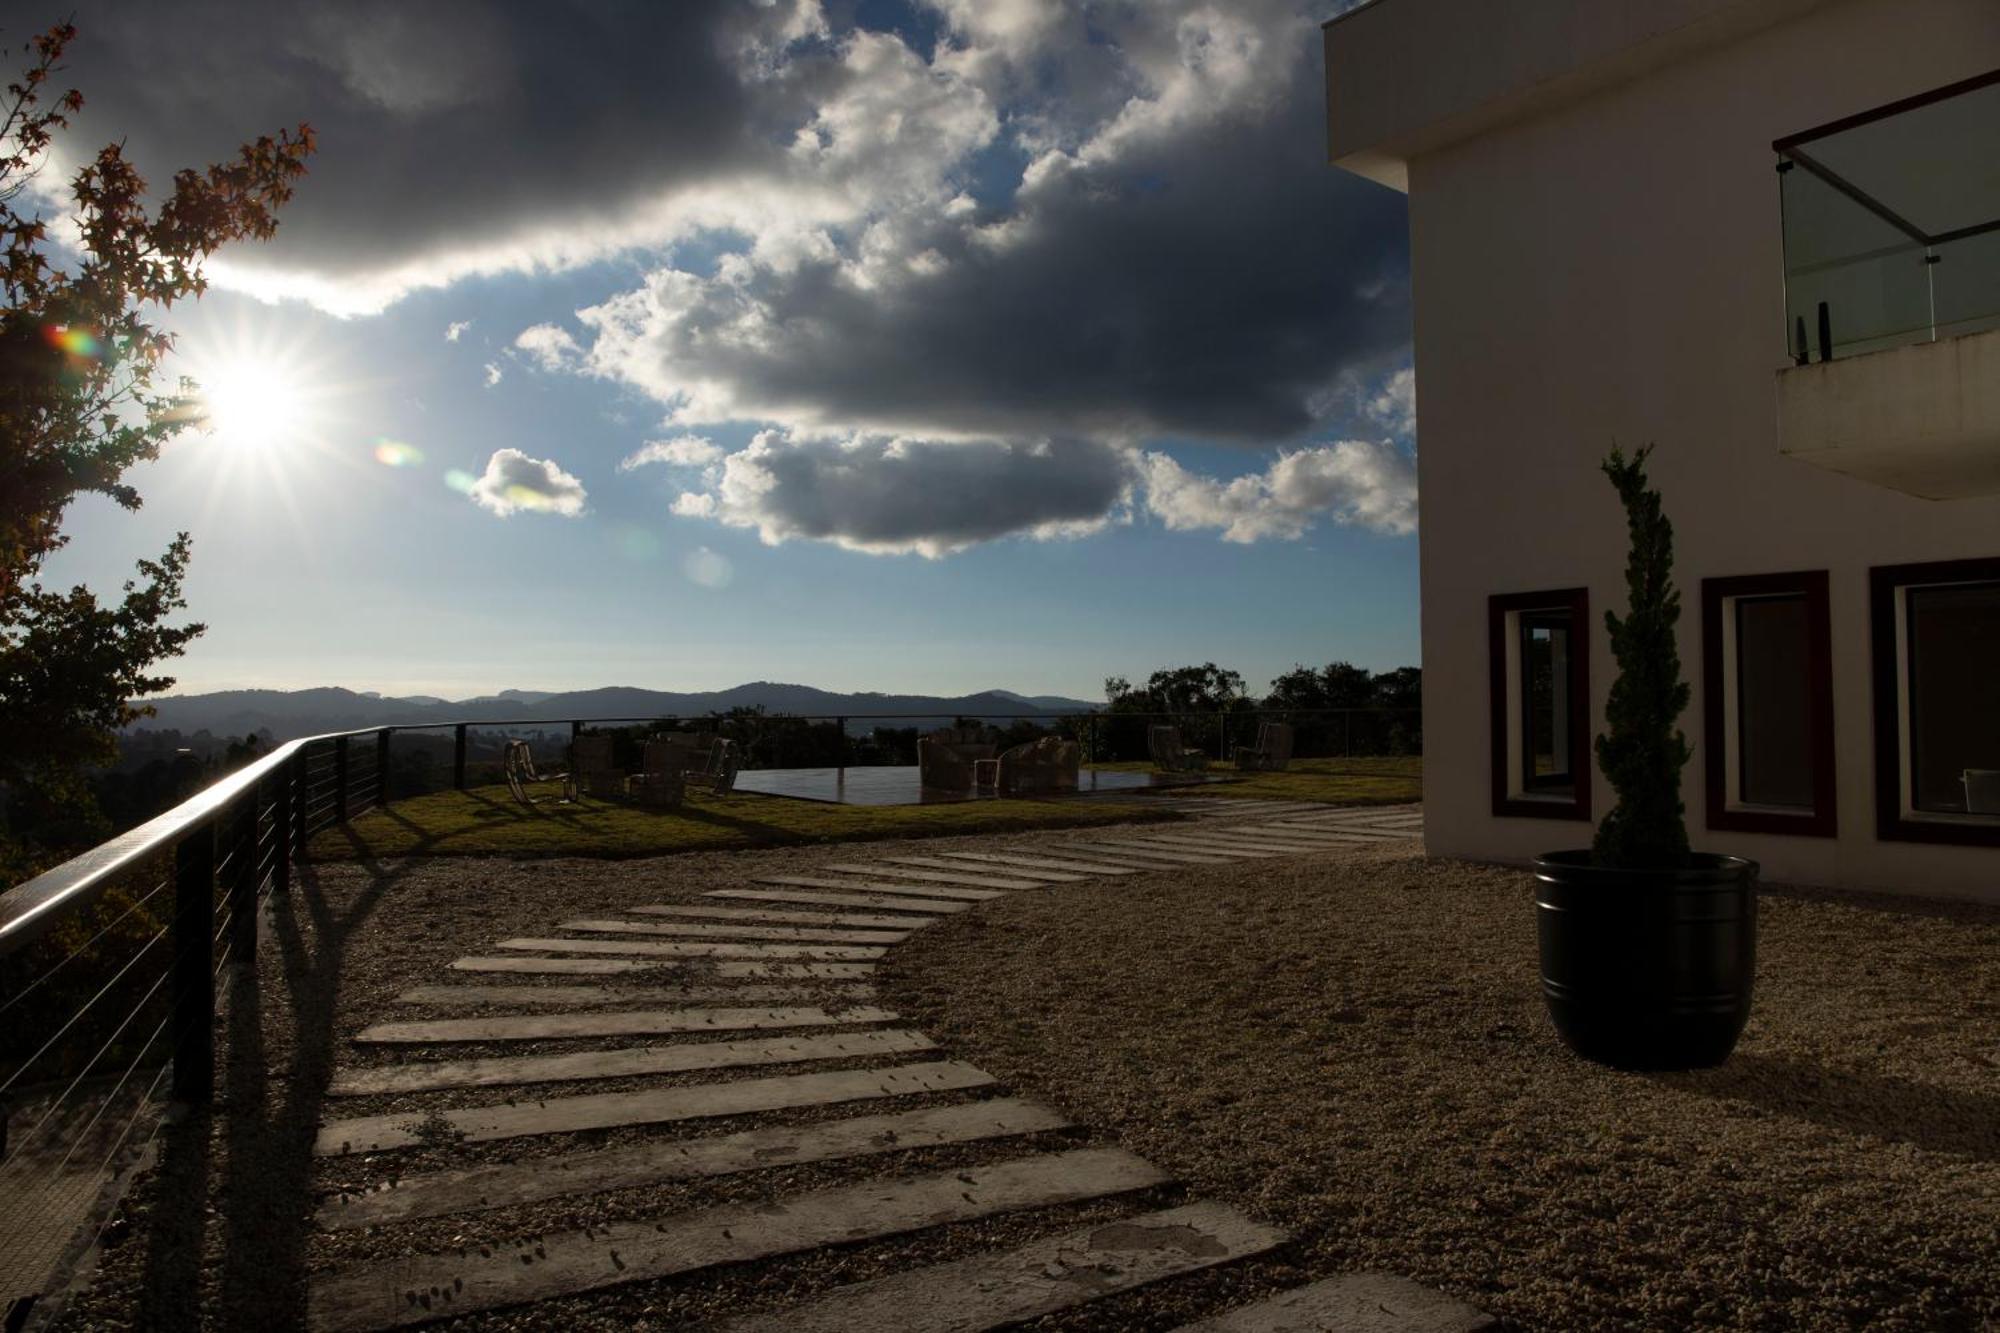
x=487, y=821
x=1390, y=780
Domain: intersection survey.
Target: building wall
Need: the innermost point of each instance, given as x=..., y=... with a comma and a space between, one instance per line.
x=1612, y=272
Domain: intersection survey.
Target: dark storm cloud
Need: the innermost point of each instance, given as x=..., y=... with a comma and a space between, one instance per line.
x=444, y=126
x=1212, y=282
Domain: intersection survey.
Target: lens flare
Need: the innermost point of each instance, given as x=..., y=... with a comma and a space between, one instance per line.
x=394, y=453
x=460, y=480
x=80, y=343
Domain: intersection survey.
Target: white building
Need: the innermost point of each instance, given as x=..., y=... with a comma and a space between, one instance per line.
x=1624, y=217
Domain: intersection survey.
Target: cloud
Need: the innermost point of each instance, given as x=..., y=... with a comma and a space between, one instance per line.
x=456, y=329
x=681, y=451
x=902, y=496
x=493, y=374
x=1185, y=266
x=548, y=346
x=514, y=482
x=1352, y=482
x=1393, y=406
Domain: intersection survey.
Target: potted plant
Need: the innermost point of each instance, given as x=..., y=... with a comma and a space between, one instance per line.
x=1648, y=949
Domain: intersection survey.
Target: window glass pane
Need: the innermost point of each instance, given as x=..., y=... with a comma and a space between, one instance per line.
x=1545, y=703
x=1773, y=702
x=1954, y=720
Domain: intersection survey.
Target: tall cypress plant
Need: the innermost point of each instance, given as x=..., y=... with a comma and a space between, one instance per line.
x=1642, y=751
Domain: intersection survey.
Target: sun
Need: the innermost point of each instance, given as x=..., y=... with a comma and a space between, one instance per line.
x=254, y=402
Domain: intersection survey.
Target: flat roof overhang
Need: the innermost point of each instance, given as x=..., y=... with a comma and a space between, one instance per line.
x=1406, y=77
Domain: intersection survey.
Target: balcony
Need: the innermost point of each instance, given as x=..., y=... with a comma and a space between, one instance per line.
x=1892, y=293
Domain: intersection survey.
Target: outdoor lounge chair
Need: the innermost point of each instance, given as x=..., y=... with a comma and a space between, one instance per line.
x=1164, y=744
x=1047, y=764
x=517, y=765
x=661, y=781
x=592, y=769
x=946, y=757
x=716, y=770
x=1271, y=754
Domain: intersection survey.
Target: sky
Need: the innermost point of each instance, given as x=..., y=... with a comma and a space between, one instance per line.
x=907, y=345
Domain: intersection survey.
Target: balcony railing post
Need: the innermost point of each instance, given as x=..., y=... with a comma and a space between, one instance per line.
x=243, y=882
x=301, y=772
x=840, y=754
x=281, y=830
x=382, y=767
x=340, y=779
x=193, y=983
x=458, y=757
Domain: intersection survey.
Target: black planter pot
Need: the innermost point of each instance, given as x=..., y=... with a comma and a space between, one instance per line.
x=1648, y=969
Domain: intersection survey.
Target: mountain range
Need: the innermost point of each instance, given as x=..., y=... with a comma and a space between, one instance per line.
x=287, y=714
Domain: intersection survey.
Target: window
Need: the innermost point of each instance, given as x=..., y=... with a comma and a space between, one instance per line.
x=1541, y=703
x=1937, y=701
x=1768, y=704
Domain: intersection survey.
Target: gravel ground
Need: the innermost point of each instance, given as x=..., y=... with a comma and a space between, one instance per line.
x=1377, y=1078
x=1354, y=1048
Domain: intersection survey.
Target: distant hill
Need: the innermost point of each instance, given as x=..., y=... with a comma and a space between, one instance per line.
x=1053, y=703
x=291, y=713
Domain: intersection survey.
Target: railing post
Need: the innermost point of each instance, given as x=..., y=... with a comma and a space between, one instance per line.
x=281, y=831
x=301, y=772
x=243, y=883
x=458, y=757
x=340, y=779
x=382, y=767
x=840, y=755
x=193, y=939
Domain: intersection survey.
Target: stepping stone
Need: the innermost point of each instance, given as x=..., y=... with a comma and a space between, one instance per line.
x=471, y=994
x=697, y=949
x=652, y=1106
x=603, y=1169
x=716, y=930
x=1149, y=852
x=939, y=863
x=1044, y=863
x=875, y=900
x=1349, y=1303
x=1203, y=843
x=938, y=877
x=1041, y=1277
x=879, y=886
x=611, y=966
x=502, y=1071
x=643, y=1022
x=1261, y=842
x=398, y=1292
x=581, y=967
x=789, y=918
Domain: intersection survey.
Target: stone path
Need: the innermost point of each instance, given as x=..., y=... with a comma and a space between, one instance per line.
x=773, y=969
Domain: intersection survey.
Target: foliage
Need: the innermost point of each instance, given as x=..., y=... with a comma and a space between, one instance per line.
x=1642, y=751
x=78, y=407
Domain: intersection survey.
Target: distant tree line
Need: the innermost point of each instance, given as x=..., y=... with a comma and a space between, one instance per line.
x=1337, y=709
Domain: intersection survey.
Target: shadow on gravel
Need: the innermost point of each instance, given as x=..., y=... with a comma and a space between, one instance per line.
x=267, y=1119
x=1936, y=1119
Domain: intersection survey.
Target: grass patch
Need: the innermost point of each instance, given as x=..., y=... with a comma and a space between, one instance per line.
x=1391, y=780
x=487, y=821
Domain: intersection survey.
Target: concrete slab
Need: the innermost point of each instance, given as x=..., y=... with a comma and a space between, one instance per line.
x=908, y=889
x=603, y=1169
x=788, y=918
x=731, y=931
x=397, y=1293
x=1042, y=1277
x=644, y=1022
x=572, y=967
x=470, y=995
x=510, y=1070
x=1046, y=863
x=1011, y=872
x=1162, y=856
x=568, y=1115
x=695, y=949
x=884, y=902
x=895, y=872
x=1351, y=1303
